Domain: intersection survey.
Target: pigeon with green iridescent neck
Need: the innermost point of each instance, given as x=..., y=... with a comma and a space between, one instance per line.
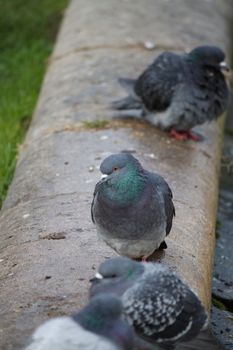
x=132, y=208
x=178, y=91
x=98, y=326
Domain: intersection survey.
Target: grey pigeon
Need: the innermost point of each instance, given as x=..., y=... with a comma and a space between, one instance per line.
x=177, y=92
x=162, y=308
x=132, y=208
x=99, y=326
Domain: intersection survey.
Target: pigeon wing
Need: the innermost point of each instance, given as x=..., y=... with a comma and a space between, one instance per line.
x=166, y=313
x=156, y=85
x=97, y=186
x=162, y=186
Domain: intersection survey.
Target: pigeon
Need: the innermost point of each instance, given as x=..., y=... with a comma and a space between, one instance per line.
x=132, y=208
x=177, y=92
x=163, y=310
x=99, y=326
x=205, y=340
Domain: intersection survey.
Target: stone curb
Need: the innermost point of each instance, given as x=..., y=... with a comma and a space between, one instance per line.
x=49, y=247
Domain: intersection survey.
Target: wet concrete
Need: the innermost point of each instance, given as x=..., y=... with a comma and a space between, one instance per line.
x=222, y=323
x=49, y=248
x=222, y=316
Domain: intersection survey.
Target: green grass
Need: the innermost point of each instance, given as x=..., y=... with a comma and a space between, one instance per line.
x=229, y=131
x=27, y=33
x=95, y=124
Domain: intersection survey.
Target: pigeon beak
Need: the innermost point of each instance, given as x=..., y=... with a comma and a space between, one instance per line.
x=97, y=277
x=224, y=67
x=104, y=176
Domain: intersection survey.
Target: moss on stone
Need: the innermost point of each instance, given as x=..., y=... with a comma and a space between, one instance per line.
x=95, y=124
x=217, y=303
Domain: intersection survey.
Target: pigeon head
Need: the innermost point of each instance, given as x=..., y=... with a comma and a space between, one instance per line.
x=115, y=274
x=103, y=316
x=117, y=162
x=209, y=56
x=123, y=179
x=101, y=310
x=120, y=267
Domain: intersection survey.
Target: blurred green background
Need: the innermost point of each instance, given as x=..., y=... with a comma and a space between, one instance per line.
x=27, y=33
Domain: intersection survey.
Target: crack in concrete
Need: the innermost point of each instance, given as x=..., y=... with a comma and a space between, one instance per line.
x=186, y=204
x=138, y=45
x=51, y=236
x=39, y=198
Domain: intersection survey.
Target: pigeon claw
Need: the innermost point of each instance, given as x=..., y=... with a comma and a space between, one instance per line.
x=185, y=135
x=194, y=136
x=179, y=135
x=145, y=258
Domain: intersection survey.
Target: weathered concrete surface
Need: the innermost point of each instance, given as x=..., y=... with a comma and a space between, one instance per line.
x=49, y=247
x=222, y=325
x=223, y=272
x=222, y=290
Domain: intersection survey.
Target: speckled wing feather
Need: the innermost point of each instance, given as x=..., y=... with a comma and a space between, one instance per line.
x=162, y=314
x=188, y=322
x=153, y=310
x=156, y=85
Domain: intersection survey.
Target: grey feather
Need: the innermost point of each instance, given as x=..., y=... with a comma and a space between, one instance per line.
x=128, y=103
x=179, y=91
x=132, y=208
x=99, y=326
x=162, y=308
x=205, y=340
x=162, y=186
x=128, y=85
x=132, y=101
x=64, y=334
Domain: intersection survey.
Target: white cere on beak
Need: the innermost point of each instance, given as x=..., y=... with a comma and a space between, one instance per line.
x=224, y=66
x=104, y=176
x=99, y=276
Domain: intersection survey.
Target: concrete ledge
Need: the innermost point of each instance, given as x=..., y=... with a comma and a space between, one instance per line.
x=49, y=247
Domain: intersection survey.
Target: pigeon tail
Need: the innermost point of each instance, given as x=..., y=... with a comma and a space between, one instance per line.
x=205, y=340
x=127, y=113
x=127, y=103
x=128, y=85
x=131, y=105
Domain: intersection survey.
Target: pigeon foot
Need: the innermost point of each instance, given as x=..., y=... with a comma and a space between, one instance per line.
x=185, y=135
x=144, y=258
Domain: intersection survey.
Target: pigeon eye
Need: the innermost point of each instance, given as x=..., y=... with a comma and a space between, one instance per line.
x=113, y=275
x=115, y=168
